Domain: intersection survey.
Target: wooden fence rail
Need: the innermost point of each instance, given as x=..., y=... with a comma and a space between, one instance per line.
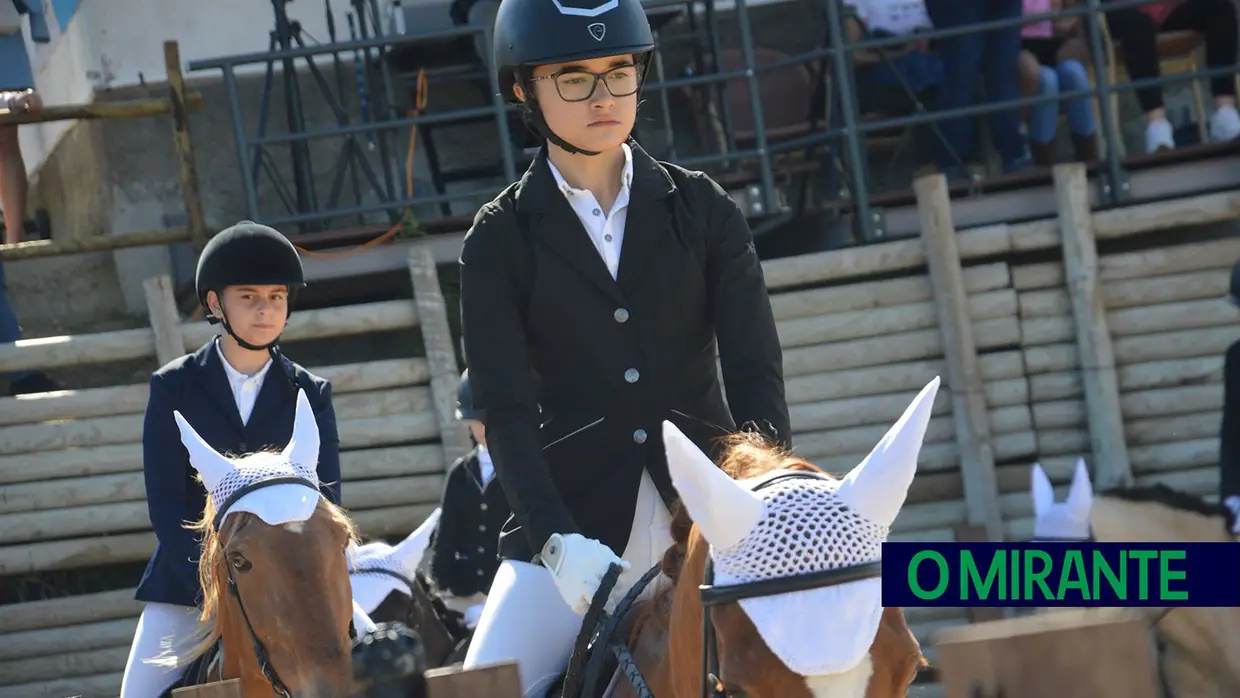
x=856, y=350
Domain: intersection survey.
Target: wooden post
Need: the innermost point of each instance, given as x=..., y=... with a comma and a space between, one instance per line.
x=499, y=680
x=161, y=305
x=220, y=689
x=964, y=378
x=1093, y=338
x=185, y=146
x=440, y=351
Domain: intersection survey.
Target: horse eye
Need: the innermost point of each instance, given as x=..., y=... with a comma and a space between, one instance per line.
x=239, y=562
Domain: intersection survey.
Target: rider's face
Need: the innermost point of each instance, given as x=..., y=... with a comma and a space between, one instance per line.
x=599, y=122
x=256, y=313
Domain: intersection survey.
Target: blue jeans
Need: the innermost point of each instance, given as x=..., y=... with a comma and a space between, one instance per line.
x=10, y=330
x=993, y=55
x=1068, y=76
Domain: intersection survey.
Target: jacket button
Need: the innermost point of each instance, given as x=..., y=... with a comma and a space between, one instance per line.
x=621, y=315
x=243, y=447
x=484, y=506
x=479, y=573
x=639, y=436
x=481, y=549
x=632, y=375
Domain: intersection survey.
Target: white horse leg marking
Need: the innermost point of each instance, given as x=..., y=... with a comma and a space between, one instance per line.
x=295, y=526
x=849, y=684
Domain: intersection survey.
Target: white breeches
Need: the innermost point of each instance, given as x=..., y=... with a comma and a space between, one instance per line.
x=162, y=627
x=525, y=618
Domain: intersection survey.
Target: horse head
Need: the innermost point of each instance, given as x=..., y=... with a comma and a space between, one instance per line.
x=273, y=571
x=766, y=518
x=387, y=586
x=1067, y=520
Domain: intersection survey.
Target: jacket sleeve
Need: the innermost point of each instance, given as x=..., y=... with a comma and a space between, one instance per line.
x=165, y=468
x=329, y=444
x=749, y=349
x=444, y=546
x=500, y=376
x=1229, y=436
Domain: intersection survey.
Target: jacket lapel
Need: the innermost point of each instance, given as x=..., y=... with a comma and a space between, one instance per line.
x=214, y=382
x=271, y=394
x=554, y=224
x=648, y=218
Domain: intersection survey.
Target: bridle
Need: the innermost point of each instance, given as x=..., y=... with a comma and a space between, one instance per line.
x=712, y=685
x=278, y=686
x=596, y=641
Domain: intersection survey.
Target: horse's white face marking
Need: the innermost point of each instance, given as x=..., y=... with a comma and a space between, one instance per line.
x=849, y=684
x=295, y=526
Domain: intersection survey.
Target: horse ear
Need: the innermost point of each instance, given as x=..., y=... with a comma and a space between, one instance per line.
x=410, y=550
x=303, y=448
x=877, y=487
x=725, y=510
x=1081, y=495
x=211, y=466
x=1043, y=492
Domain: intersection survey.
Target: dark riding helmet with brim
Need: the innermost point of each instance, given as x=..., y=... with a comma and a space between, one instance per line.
x=251, y=254
x=530, y=33
x=465, y=407
x=1233, y=289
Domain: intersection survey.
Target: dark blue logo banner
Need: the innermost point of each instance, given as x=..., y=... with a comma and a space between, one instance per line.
x=1061, y=574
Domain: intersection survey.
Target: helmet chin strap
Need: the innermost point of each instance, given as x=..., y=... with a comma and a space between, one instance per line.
x=223, y=320
x=535, y=118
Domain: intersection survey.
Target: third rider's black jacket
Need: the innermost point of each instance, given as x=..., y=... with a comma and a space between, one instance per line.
x=609, y=359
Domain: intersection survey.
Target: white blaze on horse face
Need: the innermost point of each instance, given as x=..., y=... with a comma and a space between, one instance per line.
x=877, y=487
x=303, y=448
x=849, y=684
x=723, y=509
x=1062, y=521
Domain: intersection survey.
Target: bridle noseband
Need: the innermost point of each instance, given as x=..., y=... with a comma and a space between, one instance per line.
x=260, y=652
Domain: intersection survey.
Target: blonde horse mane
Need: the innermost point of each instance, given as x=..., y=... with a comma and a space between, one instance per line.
x=212, y=571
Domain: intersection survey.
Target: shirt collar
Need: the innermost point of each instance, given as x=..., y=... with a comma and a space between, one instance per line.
x=235, y=376
x=626, y=176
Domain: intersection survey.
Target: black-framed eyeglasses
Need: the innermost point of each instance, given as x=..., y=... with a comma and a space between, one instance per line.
x=579, y=85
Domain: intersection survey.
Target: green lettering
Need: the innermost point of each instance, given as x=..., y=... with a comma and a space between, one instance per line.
x=1143, y=571
x=1166, y=574
x=1014, y=586
x=1102, y=568
x=971, y=577
x=944, y=577
x=1039, y=577
x=1073, y=566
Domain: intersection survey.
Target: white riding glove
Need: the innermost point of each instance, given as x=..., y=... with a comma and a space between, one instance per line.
x=1233, y=503
x=578, y=564
x=473, y=614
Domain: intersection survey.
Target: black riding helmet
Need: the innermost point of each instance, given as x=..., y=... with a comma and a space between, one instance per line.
x=465, y=408
x=247, y=253
x=1233, y=289
x=530, y=33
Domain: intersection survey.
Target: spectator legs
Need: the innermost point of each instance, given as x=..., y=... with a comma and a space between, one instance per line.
x=1216, y=20
x=994, y=55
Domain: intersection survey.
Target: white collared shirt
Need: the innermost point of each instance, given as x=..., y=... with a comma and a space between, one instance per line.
x=244, y=388
x=485, y=465
x=606, y=231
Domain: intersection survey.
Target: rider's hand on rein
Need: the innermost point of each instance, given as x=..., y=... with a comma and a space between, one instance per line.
x=577, y=565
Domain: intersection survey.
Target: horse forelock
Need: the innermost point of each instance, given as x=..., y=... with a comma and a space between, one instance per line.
x=213, y=571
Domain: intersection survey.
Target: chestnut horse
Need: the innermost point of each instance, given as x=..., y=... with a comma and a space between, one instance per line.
x=273, y=570
x=1199, y=653
x=766, y=518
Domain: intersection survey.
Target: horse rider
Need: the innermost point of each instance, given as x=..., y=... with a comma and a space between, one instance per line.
x=1229, y=435
x=595, y=288
x=240, y=393
x=464, y=553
